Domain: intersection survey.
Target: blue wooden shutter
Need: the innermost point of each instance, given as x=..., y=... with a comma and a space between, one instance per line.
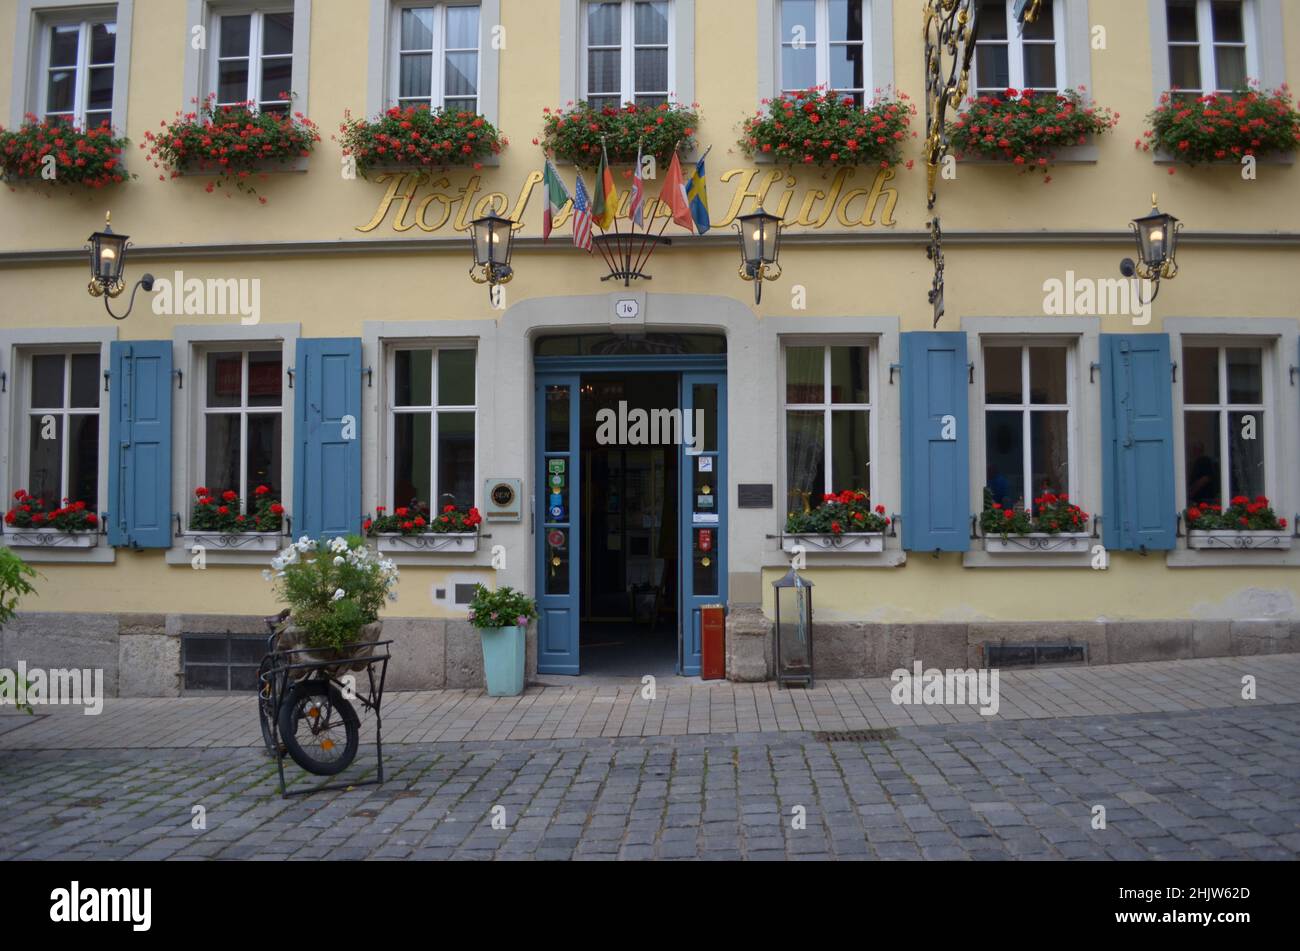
x=936, y=477
x=1137, y=428
x=327, y=429
x=140, y=444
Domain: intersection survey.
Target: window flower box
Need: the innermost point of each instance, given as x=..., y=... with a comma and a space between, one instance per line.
x=419, y=138
x=235, y=541
x=396, y=543
x=1026, y=129
x=843, y=542
x=820, y=127
x=1059, y=543
x=89, y=158
x=578, y=133
x=1221, y=128
x=1241, y=541
x=49, y=538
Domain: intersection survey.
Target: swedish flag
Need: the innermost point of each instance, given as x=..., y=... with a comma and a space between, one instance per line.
x=697, y=193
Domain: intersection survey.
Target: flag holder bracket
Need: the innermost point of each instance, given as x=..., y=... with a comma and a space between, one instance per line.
x=627, y=253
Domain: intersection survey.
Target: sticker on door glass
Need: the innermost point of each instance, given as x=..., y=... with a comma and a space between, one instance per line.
x=706, y=463
x=705, y=518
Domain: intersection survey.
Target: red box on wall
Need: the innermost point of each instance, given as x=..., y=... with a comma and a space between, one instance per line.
x=712, y=642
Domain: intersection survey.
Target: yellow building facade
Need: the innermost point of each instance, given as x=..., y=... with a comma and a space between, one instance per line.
x=384, y=262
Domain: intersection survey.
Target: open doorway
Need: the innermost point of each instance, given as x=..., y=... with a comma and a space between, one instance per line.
x=629, y=556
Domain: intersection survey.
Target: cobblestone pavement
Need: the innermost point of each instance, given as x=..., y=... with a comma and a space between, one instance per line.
x=1209, y=784
x=682, y=706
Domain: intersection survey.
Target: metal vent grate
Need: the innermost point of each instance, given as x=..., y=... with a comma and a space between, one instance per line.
x=465, y=593
x=856, y=736
x=1034, y=655
x=221, y=661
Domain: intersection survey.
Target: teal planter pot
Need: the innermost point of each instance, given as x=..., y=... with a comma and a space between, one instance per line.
x=503, y=660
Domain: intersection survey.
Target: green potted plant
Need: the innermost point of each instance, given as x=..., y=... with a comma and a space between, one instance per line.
x=1244, y=524
x=14, y=584
x=1056, y=526
x=844, y=521
x=30, y=523
x=217, y=519
x=413, y=528
x=502, y=617
x=334, y=591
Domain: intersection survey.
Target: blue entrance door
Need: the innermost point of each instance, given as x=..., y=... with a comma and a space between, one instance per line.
x=559, y=448
x=703, y=507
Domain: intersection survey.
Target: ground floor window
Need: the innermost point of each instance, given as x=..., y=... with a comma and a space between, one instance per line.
x=61, y=417
x=1028, y=426
x=1224, y=418
x=432, y=427
x=241, y=431
x=829, y=421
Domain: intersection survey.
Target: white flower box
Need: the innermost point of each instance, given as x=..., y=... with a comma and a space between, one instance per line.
x=395, y=543
x=1062, y=543
x=238, y=541
x=846, y=542
x=49, y=538
x=1273, y=540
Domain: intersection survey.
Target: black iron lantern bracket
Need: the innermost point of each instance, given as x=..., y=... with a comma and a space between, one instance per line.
x=107, y=263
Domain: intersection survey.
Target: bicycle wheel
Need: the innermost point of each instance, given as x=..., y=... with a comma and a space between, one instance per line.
x=319, y=729
x=266, y=705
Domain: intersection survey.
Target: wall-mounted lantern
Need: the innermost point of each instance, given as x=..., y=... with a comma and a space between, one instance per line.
x=792, y=597
x=493, y=239
x=1157, y=243
x=760, y=247
x=107, y=264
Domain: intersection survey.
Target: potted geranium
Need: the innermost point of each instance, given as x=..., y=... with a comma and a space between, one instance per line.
x=1027, y=128
x=844, y=521
x=334, y=591
x=577, y=134
x=821, y=127
x=1055, y=526
x=218, y=519
x=31, y=523
x=1222, y=127
x=91, y=158
x=231, y=143
x=419, y=138
x=412, y=528
x=1244, y=524
x=502, y=617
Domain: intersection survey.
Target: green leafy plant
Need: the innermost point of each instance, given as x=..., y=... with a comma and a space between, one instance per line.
x=333, y=588
x=847, y=512
x=231, y=142
x=1222, y=126
x=15, y=583
x=91, y=158
x=419, y=137
x=1053, y=514
x=504, y=607
x=575, y=134
x=223, y=512
x=1242, y=515
x=821, y=127
x=1026, y=128
x=30, y=511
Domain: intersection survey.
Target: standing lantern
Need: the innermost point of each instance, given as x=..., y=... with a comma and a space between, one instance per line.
x=794, y=630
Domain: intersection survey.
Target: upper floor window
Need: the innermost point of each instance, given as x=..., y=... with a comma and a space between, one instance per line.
x=825, y=43
x=1208, y=47
x=254, y=61
x=828, y=422
x=1007, y=58
x=61, y=417
x=437, y=50
x=240, y=443
x=1028, y=431
x=78, y=59
x=1224, y=412
x=628, y=55
x=432, y=421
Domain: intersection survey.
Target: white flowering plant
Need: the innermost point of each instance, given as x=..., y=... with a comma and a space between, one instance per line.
x=333, y=588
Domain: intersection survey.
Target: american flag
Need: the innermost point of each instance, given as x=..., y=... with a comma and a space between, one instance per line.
x=581, y=216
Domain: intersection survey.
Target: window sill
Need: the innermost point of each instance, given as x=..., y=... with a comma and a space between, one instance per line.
x=889, y=558
x=225, y=549
x=849, y=542
x=69, y=548
x=1159, y=157
x=427, y=543
x=1077, y=553
x=260, y=542
x=1183, y=557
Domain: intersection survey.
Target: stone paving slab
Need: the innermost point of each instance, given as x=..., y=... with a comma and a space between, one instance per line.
x=1202, y=784
x=682, y=706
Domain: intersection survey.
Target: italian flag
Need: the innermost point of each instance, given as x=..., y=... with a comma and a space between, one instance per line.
x=556, y=197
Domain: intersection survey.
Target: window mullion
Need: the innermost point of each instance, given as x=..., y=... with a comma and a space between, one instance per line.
x=821, y=47
x=1205, y=51
x=255, y=60
x=1015, y=56
x=81, y=82
x=438, y=58
x=1225, y=451
x=629, y=51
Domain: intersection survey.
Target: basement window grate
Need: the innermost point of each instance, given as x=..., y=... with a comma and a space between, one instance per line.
x=1034, y=655
x=856, y=736
x=226, y=662
x=465, y=593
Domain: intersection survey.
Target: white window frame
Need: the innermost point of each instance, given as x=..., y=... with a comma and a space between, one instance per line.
x=200, y=70
x=1268, y=407
x=822, y=44
x=243, y=410
x=1023, y=343
x=437, y=87
x=872, y=409
x=391, y=410
x=1015, y=45
x=254, y=56
x=82, y=67
x=24, y=429
x=627, y=54
x=1265, y=44
x=1205, y=49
